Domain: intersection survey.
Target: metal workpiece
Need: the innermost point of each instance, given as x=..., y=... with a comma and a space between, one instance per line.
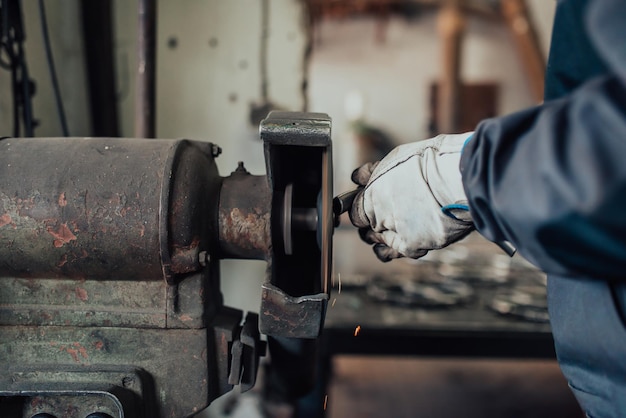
x=104, y=209
x=343, y=203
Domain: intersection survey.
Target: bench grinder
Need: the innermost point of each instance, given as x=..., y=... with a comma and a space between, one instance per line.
x=110, y=302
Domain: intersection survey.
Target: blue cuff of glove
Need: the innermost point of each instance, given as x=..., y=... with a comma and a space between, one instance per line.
x=448, y=210
x=466, y=141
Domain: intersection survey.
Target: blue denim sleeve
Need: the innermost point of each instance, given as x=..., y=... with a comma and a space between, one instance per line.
x=552, y=179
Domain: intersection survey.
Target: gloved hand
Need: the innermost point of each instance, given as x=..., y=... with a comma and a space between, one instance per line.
x=413, y=199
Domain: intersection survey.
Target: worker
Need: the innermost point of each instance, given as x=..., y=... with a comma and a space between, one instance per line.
x=551, y=180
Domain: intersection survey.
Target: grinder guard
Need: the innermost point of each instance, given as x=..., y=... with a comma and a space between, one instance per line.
x=298, y=157
x=295, y=295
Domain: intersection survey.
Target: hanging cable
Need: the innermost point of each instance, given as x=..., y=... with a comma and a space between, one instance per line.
x=6, y=44
x=53, y=74
x=11, y=45
x=27, y=109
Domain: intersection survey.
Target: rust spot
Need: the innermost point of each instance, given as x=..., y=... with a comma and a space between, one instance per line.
x=62, y=235
x=76, y=352
x=32, y=284
x=5, y=220
x=36, y=402
x=82, y=294
x=62, y=200
x=185, y=318
x=81, y=350
x=99, y=345
x=62, y=261
x=185, y=258
x=245, y=232
x=72, y=352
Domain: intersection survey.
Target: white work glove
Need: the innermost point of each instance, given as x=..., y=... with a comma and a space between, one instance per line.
x=413, y=199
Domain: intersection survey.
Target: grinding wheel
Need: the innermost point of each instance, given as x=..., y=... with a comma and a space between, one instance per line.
x=286, y=219
x=299, y=219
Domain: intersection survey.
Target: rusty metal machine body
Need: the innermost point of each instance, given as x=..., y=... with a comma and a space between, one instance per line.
x=110, y=302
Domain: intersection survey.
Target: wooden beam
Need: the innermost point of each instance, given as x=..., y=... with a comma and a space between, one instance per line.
x=518, y=19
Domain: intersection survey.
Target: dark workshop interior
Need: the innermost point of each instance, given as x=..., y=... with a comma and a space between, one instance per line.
x=145, y=317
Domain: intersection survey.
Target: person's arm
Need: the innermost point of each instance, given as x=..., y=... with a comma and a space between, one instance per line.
x=552, y=180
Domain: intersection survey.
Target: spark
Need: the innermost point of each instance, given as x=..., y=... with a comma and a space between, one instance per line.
x=357, y=330
x=325, y=402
